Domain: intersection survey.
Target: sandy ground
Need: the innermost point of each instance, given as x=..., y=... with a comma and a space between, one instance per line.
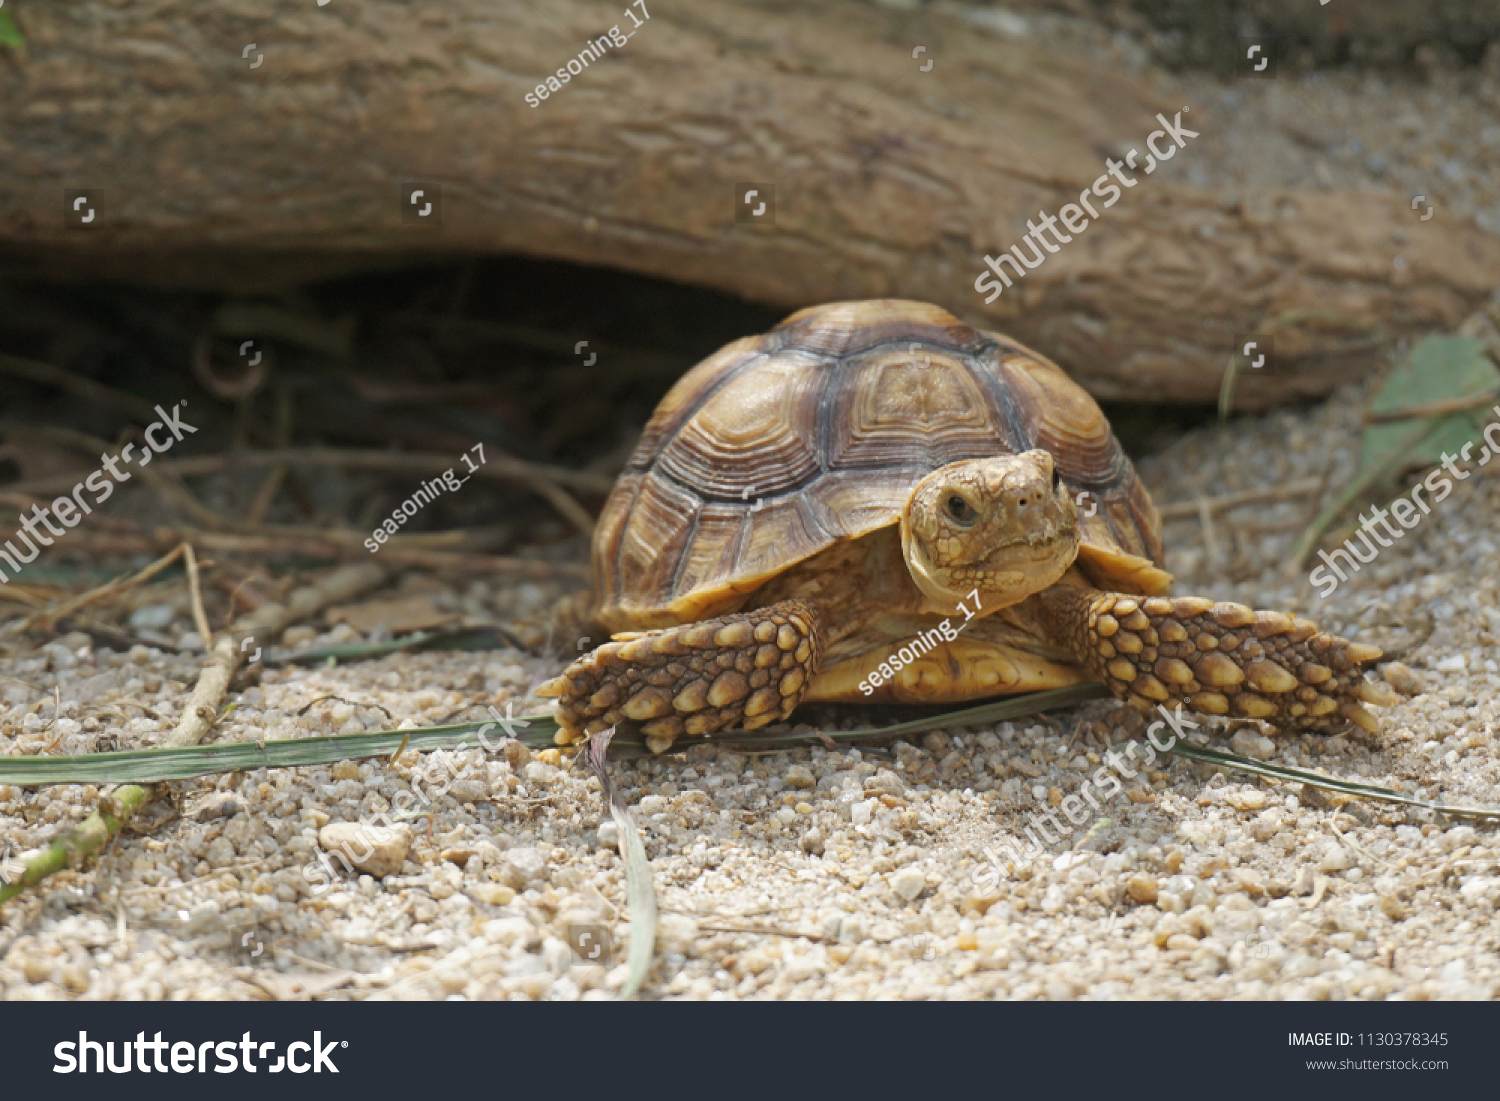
x=813, y=874
x=861, y=873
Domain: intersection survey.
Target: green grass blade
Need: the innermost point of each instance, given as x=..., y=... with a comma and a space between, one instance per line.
x=1327, y=783
x=10, y=34
x=1013, y=707
x=145, y=766
x=1362, y=480
x=1439, y=368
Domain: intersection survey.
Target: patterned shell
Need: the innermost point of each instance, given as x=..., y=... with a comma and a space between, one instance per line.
x=780, y=445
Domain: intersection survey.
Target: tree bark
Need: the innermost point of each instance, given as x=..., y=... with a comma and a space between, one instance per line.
x=888, y=180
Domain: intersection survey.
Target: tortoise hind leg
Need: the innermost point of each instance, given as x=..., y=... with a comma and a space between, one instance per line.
x=555, y=628
x=747, y=669
x=1216, y=659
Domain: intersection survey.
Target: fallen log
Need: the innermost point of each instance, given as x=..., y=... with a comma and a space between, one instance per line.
x=245, y=145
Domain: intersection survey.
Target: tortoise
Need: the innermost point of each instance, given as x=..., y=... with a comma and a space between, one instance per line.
x=808, y=513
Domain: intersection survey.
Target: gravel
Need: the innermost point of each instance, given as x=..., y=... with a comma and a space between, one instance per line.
x=851, y=873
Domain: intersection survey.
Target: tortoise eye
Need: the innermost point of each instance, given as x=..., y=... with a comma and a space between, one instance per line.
x=1056, y=478
x=961, y=510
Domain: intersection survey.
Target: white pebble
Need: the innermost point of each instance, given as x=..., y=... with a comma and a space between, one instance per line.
x=1335, y=858
x=800, y=776
x=153, y=617
x=1251, y=743
x=523, y=866
x=540, y=772
x=468, y=791
x=908, y=883
x=377, y=850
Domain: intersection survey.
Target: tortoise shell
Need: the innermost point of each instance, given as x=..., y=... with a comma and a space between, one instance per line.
x=778, y=446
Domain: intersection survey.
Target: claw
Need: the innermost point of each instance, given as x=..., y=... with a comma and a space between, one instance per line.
x=1370, y=694
x=1360, y=717
x=1359, y=653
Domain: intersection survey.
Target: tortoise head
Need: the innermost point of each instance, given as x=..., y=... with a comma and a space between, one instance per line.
x=1005, y=526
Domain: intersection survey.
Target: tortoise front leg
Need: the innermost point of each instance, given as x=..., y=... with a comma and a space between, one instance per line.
x=747, y=669
x=1217, y=659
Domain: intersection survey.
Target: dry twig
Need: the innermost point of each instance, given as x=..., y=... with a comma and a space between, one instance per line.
x=1175, y=510
x=1433, y=408
x=109, y=588
x=195, y=593
x=266, y=494
x=159, y=475
x=198, y=716
x=48, y=375
x=544, y=479
x=419, y=551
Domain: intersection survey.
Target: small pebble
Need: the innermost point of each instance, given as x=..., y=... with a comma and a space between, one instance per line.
x=152, y=617
x=908, y=883
x=1403, y=678
x=539, y=772
x=1335, y=858
x=295, y=638
x=1249, y=742
x=1246, y=800
x=376, y=850
x=468, y=791
x=522, y=867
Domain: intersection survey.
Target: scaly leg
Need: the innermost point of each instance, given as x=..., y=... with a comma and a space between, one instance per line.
x=1216, y=659
x=748, y=669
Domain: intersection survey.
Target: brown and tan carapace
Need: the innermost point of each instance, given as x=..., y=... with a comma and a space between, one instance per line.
x=806, y=508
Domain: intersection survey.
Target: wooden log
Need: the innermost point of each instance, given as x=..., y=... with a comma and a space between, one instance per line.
x=889, y=176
